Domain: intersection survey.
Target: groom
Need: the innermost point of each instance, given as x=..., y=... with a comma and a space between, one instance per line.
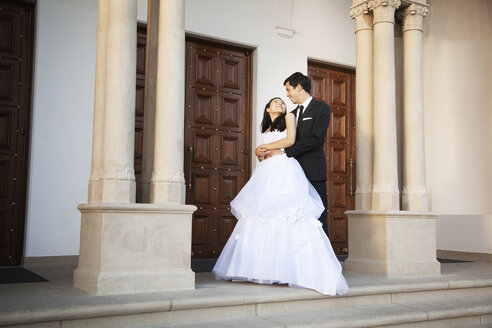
x=312, y=117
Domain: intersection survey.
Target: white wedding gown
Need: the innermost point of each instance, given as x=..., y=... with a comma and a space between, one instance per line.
x=278, y=238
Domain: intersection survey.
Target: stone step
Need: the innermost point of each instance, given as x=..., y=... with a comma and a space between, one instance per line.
x=443, y=313
x=251, y=305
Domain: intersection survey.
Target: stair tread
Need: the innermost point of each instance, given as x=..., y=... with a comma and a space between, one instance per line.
x=359, y=316
x=232, y=293
x=215, y=297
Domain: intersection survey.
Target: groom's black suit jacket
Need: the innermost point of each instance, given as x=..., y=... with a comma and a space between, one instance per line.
x=310, y=137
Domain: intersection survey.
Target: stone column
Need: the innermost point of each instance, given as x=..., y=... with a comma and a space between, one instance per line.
x=150, y=97
x=385, y=189
x=127, y=247
x=168, y=184
x=382, y=240
x=99, y=104
x=414, y=182
x=118, y=178
x=364, y=35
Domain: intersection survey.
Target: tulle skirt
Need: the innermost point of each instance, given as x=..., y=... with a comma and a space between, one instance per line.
x=278, y=238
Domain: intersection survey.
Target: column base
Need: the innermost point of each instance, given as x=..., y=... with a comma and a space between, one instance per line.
x=392, y=244
x=117, y=191
x=363, y=201
x=163, y=192
x=414, y=202
x=112, y=191
x=95, y=191
x=134, y=248
x=385, y=201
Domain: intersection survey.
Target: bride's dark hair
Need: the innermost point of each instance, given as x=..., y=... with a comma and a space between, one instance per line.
x=277, y=124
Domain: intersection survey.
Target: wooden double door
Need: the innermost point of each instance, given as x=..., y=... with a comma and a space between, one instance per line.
x=16, y=42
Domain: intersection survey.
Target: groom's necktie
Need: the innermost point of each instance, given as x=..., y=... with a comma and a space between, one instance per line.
x=299, y=117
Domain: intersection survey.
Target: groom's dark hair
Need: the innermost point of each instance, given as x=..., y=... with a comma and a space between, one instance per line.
x=299, y=78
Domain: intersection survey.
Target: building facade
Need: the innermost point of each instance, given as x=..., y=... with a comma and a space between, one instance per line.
x=282, y=36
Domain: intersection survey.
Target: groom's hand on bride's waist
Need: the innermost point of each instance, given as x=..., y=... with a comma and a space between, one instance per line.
x=261, y=151
x=275, y=152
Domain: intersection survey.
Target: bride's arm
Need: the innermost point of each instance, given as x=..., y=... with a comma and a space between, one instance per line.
x=290, y=122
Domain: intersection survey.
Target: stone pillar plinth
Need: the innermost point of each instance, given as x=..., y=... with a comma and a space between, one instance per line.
x=385, y=194
x=135, y=248
x=414, y=194
x=168, y=184
x=393, y=244
x=364, y=35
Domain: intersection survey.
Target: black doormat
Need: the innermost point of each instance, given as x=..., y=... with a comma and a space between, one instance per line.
x=202, y=265
x=17, y=275
x=451, y=261
x=342, y=258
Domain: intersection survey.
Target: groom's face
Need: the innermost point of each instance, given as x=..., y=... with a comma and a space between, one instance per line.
x=293, y=93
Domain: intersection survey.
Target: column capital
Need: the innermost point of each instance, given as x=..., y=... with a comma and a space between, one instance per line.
x=385, y=3
x=412, y=16
x=384, y=10
x=362, y=16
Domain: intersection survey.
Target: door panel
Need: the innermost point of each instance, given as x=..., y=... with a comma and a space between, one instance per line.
x=216, y=139
x=16, y=40
x=336, y=87
x=226, y=225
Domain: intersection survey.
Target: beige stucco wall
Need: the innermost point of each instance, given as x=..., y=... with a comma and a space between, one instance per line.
x=458, y=107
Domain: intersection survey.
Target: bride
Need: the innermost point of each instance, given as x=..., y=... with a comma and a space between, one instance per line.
x=278, y=238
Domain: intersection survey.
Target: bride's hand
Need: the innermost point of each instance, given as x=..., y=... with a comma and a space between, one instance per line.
x=264, y=148
x=275, y=152
x=261, y=153
x=261, y=150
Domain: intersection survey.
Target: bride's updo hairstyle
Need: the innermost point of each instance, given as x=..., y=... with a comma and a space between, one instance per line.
x=278, y=124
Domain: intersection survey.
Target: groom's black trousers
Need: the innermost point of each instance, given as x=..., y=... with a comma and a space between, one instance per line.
x=320, y=187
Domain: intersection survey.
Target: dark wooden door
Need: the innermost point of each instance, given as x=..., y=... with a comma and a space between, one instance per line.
x=217, y=142
x=336, y=87
x=16, y=42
